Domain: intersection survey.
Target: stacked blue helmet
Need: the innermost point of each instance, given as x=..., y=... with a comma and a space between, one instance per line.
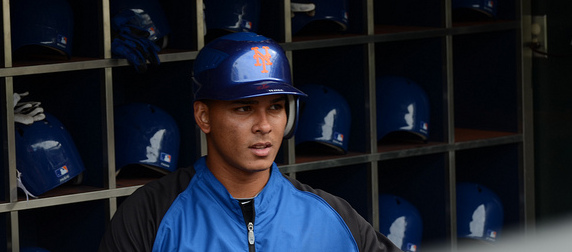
x=400, y=222
x=487, y=8
x=46, y=155
x=232, y=16
x=402, y=106
x=153, y=9
x=41, y=24
x=480, y=213
x=33, y=249
x=243, y=65
x=319, y=15
x=325, y=118
x=145, y=135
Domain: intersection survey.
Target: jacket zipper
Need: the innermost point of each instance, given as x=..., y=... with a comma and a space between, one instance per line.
x=248, y=213
x=251, y=237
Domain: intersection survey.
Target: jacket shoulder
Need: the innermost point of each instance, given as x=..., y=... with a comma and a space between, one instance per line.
x=367, y=238
x=136, y=221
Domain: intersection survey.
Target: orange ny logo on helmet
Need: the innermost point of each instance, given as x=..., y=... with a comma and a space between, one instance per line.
x=262, y=59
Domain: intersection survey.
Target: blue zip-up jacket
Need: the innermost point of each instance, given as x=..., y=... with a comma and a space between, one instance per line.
x=190, y=210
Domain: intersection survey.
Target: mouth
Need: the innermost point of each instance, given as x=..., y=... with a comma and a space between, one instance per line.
x=261, y=145
x=261, y=149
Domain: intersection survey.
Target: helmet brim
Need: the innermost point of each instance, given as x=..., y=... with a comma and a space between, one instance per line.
x=249, y=90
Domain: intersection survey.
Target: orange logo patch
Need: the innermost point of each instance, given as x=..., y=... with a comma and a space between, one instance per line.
x=262, y=59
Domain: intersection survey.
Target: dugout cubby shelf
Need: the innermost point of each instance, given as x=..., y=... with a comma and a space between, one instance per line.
x=476, y=75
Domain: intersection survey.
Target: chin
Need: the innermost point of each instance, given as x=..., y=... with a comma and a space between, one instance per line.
x=260, y=165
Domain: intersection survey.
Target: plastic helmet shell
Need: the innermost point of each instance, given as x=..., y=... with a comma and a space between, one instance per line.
x=44, y=23
x=333, y=12
x=46, y=155
x=480, y=212
x=325, y=117
x=145, y=135
x=244, y=65
x=402, y=105
x=400, y=222
x=487, y=7
x=33, y=249
x=234, y=16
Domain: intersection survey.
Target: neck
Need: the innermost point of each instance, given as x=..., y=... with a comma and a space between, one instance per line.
x=240, y=183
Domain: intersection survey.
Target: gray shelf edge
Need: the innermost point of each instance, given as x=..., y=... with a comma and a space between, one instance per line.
x=289, y=46
x=513, y=139
x=88, y=64
x=67, y=199
x=374, y=157
x=422, y=33
x=301, y=167
x=485, y=28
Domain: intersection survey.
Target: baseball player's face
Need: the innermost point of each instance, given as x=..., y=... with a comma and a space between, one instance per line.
x=245, y=135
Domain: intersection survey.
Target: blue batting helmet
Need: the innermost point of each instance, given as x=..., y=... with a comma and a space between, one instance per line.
x=33, y=249
x=42, y=24
x=325, y=118
x=487, y=7
x=234, y=16
x=46, y=155
x=480, y=212
x=244, y=65
x=400, y=222
x=146, y=135
x=402, y=106
x=330, y=15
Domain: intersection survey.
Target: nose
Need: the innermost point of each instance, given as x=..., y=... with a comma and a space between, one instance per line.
x=262, y=124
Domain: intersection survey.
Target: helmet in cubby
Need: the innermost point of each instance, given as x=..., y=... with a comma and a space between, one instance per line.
x=150, y=16
x=42, y=27
x=145, y=135
x=325, y=118
x=400, y=222
x=480, y=212
x=232, y=16
x=311, y=16
x=33, y=249
x=470, y=10
x=46, y=155
x=243, y=65
x=402, y=107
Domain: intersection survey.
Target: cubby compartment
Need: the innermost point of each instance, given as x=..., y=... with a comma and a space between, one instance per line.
x=423, y=182
x=333, y=19
x=73, y=98
x=498, y=169
x=167, y=87
x=88, y=29
x=412, y=13
x=486, y=85
x=465, y=13
x=4, y=232
x=56, y=228
x=421, y=63
x=341, y=69
x=182, y=19
x=74, y=33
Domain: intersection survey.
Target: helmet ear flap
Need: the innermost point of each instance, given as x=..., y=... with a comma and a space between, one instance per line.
x=292, y=107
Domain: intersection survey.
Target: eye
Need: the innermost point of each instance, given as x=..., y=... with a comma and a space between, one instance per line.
x=277, y=106
x=243, y=109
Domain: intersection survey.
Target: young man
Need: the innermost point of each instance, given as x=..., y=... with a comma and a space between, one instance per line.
x=235, y=198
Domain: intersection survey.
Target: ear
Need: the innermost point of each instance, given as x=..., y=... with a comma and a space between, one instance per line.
x=202, y=116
